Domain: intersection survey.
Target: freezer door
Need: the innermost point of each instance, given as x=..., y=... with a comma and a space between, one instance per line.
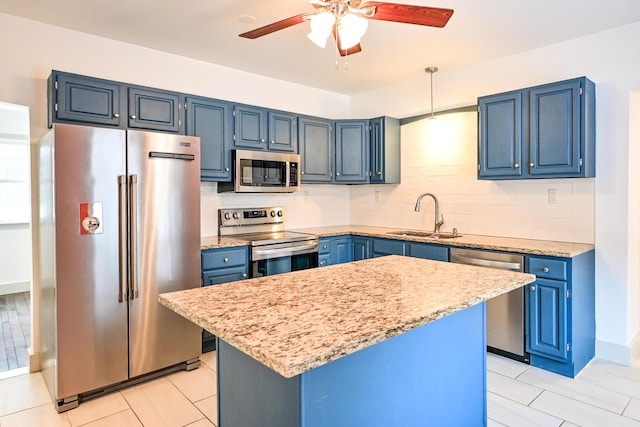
x=164, y=180
x=91, y=323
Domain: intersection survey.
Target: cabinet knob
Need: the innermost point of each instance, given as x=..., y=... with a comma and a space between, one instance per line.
x=337, y=173
x=531, y=164
x=302, y=173
x=226, y=260
x=133, y=116
x=116, y=115
x=226, y=169
x=262, y=140
x=533, y=288
x=244, y=275
x=516, y=165
x=379, y=173
x=545, y=270
x=324, y=246
x=272, y=141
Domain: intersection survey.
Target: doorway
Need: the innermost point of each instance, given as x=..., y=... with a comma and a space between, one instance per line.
x=15, y=238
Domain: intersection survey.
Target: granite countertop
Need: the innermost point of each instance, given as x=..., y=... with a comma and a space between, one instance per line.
x=297, y=321
x=472, y=241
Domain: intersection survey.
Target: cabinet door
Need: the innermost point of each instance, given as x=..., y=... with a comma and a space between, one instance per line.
x=554, y=131
x=250, y=127
x=154, y=109
x=361, y=248
x=282, y=131
x=384, y=150
x=224, y=275
x=211, y=120
x=314, y=135
x=426, y=251
x=352, y=151
x=500, y=135
x=382, y=247
x=547, y=318
x=341, y=251
x=82, y=99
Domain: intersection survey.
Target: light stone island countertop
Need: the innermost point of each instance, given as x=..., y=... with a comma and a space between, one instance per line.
x=298, y=321
x=471, y=241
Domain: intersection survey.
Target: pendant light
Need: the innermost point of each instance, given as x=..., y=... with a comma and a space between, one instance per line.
x=431, y=70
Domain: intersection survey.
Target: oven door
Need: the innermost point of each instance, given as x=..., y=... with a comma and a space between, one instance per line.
x=277, y=258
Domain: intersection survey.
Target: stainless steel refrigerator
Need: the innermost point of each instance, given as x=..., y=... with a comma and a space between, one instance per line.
x=119, y=224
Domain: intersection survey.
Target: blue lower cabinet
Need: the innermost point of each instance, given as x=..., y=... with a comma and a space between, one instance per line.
x=221, y=266
x=560, y=313
x=334, y=250
x=361, y=248
x=427, y=251
x=382, y=247
x=433, y=375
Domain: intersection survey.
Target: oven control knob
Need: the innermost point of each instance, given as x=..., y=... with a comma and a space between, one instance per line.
x=279, y=213
x=273, y=213
x=227, y=215
x=235, y=215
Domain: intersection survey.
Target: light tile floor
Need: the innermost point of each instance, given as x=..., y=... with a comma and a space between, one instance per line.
x=603, y=395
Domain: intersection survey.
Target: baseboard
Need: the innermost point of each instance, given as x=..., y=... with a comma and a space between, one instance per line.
x=14, y=288
x=617, y=353
x=34, y=361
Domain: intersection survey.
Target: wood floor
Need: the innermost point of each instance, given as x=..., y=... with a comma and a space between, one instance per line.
x=15, y=321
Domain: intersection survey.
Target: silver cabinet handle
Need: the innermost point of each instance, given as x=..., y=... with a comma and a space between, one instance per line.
x=226, y=260
x=133, y=241
x=531, y=164
x=116, y=115
x=533, y=288
x=133, y=116
x=516, y=165
x=545, y=270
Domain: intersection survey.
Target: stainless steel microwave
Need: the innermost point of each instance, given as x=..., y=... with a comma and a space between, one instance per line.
x=263, y=172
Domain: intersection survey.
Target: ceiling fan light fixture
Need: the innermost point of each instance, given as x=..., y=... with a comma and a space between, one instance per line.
x=351, y=29
x=321, y=27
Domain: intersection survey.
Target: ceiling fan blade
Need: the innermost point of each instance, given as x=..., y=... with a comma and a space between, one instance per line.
x=419, y=15
x=276, y=26
x=344, y=52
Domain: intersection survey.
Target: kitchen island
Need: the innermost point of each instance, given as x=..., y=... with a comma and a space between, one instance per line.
x=385, y=341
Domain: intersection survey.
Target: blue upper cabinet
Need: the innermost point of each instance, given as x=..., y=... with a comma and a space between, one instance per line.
x=316, y=151
x=262, y=129
x=84, y=100
x=282, y=131
x=155, y=109
x=546, y=131
x=500, y=134
x=352, y=151
x=212, y=121
x=384, y=151
x=250, y=127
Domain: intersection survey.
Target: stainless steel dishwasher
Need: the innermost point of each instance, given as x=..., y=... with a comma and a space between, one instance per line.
x=505, y=313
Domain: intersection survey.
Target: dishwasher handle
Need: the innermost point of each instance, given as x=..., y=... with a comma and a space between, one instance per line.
x=502, y=265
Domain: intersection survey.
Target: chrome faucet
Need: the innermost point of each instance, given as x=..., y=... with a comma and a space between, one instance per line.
x=436, y=224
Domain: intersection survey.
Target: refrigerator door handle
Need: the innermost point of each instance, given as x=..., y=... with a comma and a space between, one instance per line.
x=133, y=237
x=122, y=229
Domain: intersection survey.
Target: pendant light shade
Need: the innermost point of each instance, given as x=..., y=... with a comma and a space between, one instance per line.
x=321, y=28
x=351, y=29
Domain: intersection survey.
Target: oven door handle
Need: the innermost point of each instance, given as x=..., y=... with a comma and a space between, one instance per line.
x=258, y=254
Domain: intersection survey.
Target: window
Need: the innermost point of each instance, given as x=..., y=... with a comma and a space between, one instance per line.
x=15, y=163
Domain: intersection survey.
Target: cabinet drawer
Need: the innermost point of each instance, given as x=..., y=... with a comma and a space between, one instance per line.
x=223, y=258
x=324, y=246
x=223, y=275
x=548, y=268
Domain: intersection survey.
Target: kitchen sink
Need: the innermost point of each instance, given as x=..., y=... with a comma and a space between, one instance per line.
x=425, y=234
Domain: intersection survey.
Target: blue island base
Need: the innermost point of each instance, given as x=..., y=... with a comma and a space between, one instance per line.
x=434, y=375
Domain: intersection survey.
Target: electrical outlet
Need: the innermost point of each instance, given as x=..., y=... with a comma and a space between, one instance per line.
x=552, y=196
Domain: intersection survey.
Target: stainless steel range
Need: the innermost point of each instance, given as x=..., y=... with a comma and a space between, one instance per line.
x=272, y=249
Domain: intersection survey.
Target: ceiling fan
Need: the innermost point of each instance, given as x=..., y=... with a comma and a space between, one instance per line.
x=347, y=20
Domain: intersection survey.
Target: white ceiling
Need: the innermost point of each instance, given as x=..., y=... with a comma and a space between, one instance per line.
x=208, y=30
